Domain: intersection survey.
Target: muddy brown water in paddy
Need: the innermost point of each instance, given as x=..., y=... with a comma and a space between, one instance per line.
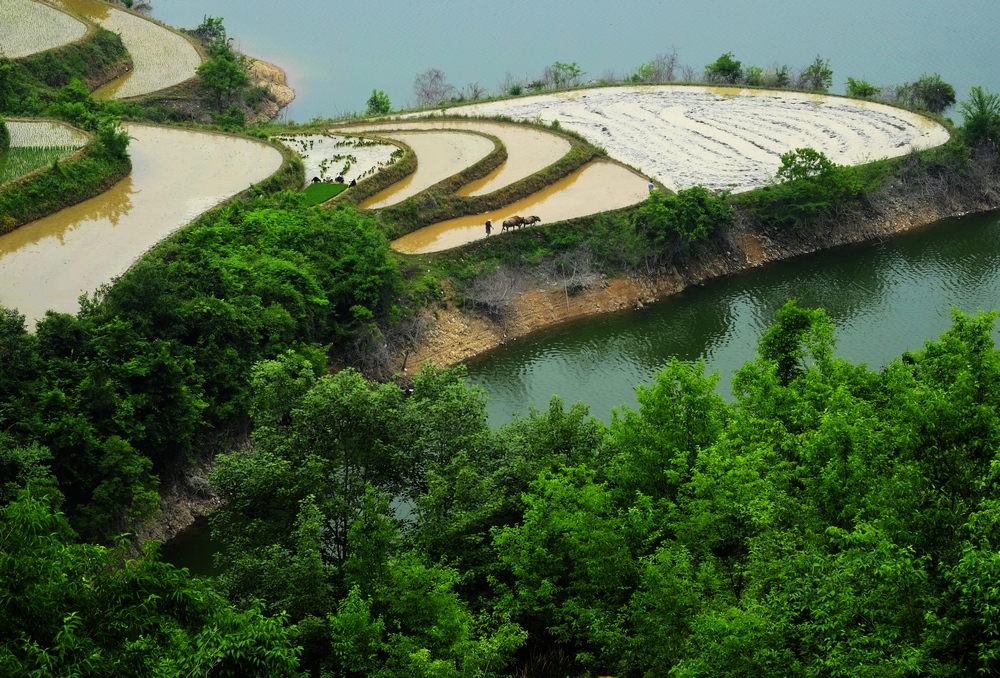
x=528, y=150
x=439, y=156
x=176, y=175
x=596, y=187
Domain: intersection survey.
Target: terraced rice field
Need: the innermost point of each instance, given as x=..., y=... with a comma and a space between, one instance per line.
x=28, y=27
x=176, y=175
x=161, y=57
x=596, y=187
x=327, y=155
x=528, y=150
x=439, y=156
x=719, y=137
x=37, y=144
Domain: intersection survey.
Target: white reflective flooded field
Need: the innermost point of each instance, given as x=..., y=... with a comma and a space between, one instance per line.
x=161, y=57
x=28, y=27
x=722, y=138
x=176, y=175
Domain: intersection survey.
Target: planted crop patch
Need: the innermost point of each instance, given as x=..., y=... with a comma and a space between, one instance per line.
x=36, y=144
x=329, y=155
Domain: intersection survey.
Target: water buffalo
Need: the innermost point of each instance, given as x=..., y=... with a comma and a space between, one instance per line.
x=531, y=220
x=510, y=223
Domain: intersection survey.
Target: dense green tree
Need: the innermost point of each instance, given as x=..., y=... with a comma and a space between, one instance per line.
x=223, y=74
x=982, y=117
x=808, y=188
x=929, y=93
x=684, y=218
x=817, y=76
x=724, y=69
x=378, y=104
x=4, y=135
x=861, y=89
x=75, y=609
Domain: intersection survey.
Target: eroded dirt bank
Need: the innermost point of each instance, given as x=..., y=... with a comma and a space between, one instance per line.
x=456, y=335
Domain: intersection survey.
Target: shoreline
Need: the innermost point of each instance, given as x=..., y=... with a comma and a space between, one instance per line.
x=456, y=336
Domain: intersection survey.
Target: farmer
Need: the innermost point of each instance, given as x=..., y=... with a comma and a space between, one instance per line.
x=651, y=186
x=489, y=227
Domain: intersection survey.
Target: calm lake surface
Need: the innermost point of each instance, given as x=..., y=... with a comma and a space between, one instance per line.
x=336, y=53
x=884, y=299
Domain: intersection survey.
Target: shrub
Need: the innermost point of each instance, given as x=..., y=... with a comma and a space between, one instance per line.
x=689, y=215
x=817, y=76
x=566, y=75
x=378, y=103
x=930, y=93
x=724, y=69
x=4, y=136
x=809, y=185
x=861, y=89
x=982, y=117
x=255, y=95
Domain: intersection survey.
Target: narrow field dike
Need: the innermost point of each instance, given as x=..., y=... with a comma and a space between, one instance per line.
x=28, y=27
x=597, y=187
x=161, y=57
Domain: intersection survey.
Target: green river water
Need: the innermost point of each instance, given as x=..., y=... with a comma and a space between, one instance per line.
x=884, y=299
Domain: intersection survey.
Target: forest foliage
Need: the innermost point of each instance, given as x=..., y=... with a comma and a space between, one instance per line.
x=121, y=392
x=829, y=520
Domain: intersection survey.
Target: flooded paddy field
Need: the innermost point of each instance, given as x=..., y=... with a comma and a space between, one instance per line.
x=528, y=150
x=439, y=156
x=722, y=138
x=28, y=27
x=35, y=144
x=161, y=57
x=327, y=155
x=596, y=187
x=176, y=175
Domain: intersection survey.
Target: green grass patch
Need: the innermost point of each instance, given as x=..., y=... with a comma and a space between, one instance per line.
x=321, y=192
x=18, y=161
